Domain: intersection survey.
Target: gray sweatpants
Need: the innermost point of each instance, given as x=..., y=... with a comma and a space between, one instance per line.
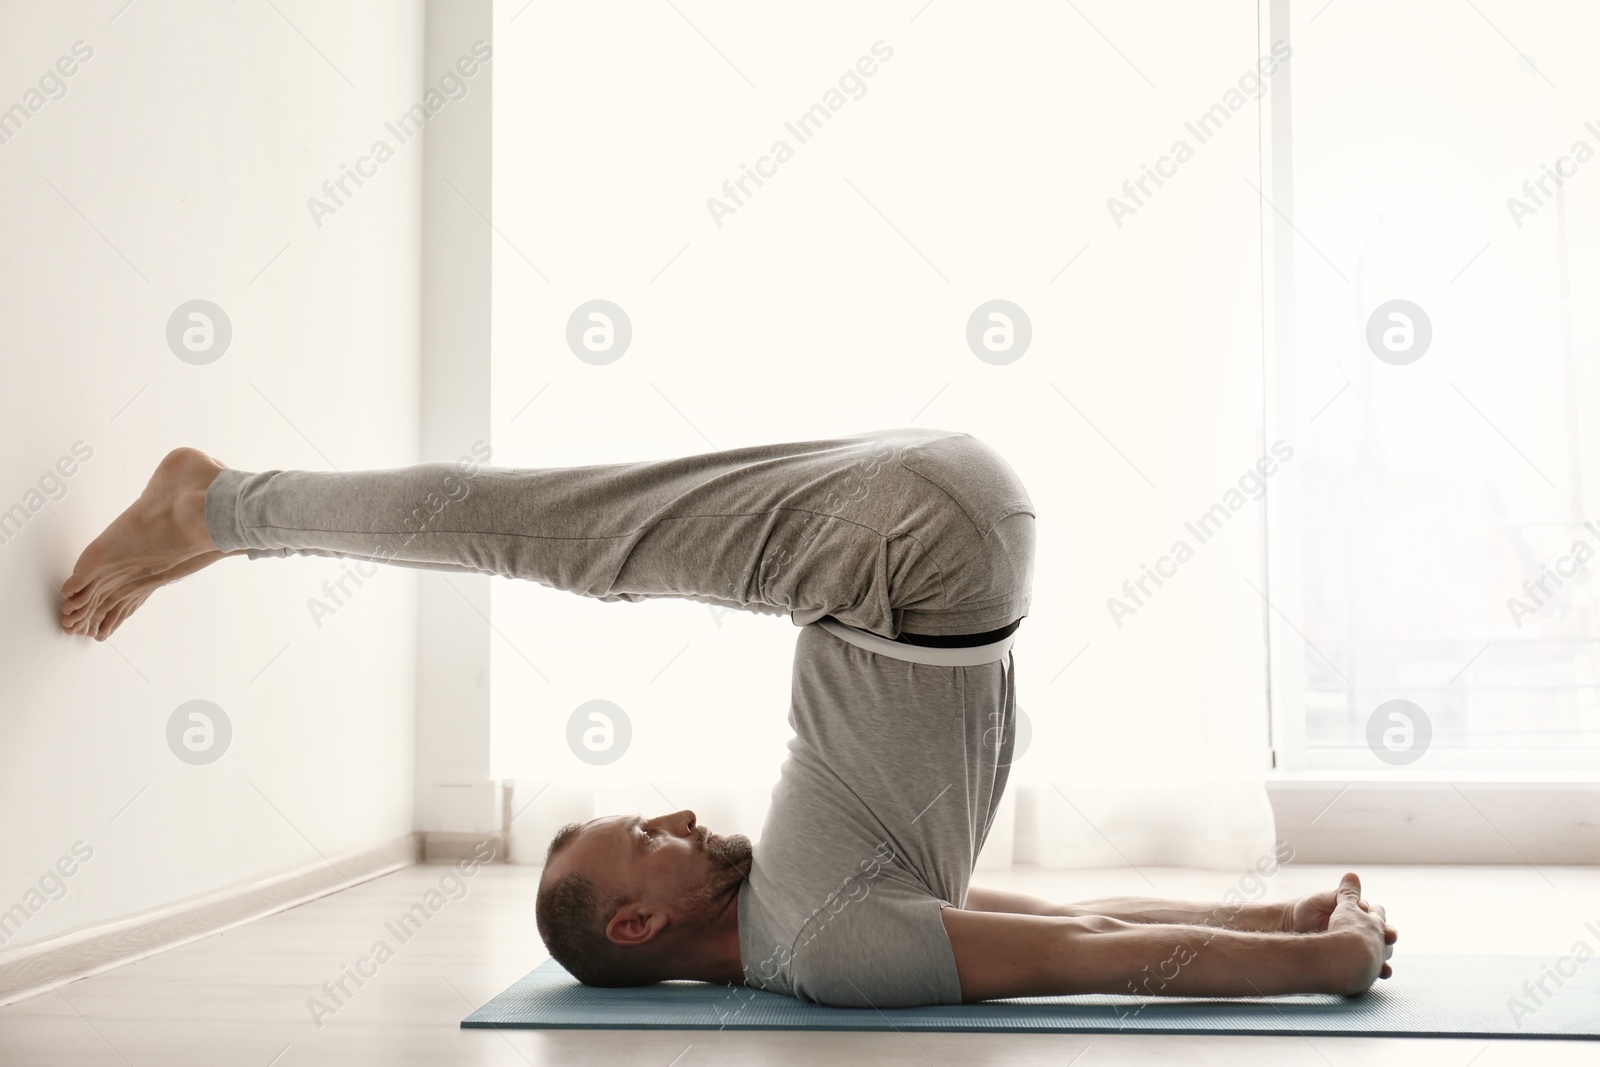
x=916, y=530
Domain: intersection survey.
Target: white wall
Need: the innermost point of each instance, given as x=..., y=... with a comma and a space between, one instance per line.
x=177, y=165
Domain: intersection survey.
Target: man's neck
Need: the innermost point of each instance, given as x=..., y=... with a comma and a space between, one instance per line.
x=717, y=957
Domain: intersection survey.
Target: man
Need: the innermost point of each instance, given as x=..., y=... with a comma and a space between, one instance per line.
x=906, y=559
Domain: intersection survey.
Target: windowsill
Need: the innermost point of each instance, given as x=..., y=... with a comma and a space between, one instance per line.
x=1541, y=766
x=1441, y=816
x=1401, y=776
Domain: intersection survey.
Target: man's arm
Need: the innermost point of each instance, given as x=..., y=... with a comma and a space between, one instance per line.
x=1246, y=915
x=1001, y=954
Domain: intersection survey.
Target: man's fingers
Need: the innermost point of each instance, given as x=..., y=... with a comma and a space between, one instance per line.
x=1386, y=972
x=1349, y=891
x=1390, y=935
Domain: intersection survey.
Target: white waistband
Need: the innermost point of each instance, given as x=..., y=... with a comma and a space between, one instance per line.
x=972, y=656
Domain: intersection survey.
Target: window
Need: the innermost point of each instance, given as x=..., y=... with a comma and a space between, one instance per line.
x=1436, y=192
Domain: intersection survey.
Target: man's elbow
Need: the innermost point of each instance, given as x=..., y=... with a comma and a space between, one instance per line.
x=1029, y=956
x=1089, y=955
x=1097, y=924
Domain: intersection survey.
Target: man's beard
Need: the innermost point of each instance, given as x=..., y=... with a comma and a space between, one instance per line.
x=730, y=865
x=732, y=855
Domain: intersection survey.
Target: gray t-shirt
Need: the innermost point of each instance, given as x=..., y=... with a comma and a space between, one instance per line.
x=893, y=776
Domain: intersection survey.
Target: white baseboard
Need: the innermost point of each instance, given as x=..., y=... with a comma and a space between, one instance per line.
x=440, y=846
x=30, y=969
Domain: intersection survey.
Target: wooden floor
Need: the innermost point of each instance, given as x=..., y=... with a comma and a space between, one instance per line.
x=241, y=997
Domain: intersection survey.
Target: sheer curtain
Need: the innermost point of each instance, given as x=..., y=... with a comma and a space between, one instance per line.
x=990, y=154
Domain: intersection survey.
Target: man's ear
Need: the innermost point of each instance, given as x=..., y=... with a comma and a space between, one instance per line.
x=635, y=924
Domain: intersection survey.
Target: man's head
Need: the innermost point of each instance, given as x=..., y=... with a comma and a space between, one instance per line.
x=625, y=900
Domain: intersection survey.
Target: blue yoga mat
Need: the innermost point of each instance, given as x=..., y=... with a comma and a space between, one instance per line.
x=1429, y=996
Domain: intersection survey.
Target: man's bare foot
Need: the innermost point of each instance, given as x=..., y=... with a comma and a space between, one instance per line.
x=161, y=537
x=110, y=613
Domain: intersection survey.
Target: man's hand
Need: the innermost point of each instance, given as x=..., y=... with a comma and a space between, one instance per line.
x=1309, y=915
x=1366, y=940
